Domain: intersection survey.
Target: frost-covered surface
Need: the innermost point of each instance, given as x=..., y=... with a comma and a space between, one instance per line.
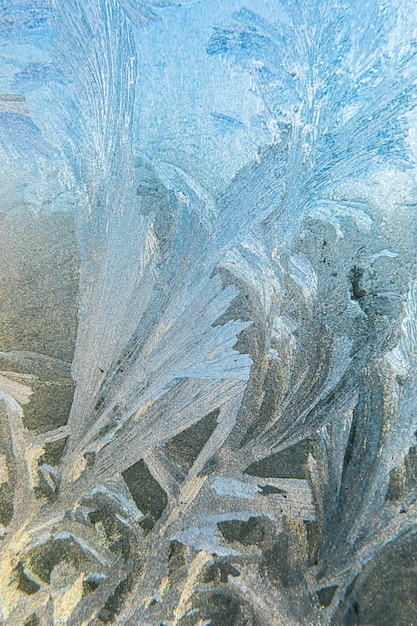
x=208, y=406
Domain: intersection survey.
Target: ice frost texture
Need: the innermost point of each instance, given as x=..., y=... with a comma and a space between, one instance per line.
x=208, y=354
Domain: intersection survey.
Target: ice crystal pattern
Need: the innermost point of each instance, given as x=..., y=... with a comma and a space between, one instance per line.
x=240, y=446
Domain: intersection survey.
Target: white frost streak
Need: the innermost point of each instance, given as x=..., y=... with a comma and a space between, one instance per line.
x=188, y=402
x=13, y=392
x=304, y=274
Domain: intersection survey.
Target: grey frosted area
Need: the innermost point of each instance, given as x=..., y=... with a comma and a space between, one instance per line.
x=208, y=306
x=38, y=309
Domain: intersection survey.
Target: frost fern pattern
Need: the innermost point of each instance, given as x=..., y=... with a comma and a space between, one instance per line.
x=240, y=444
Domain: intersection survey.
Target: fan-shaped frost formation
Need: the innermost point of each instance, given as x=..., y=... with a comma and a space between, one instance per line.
x=209, y=300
